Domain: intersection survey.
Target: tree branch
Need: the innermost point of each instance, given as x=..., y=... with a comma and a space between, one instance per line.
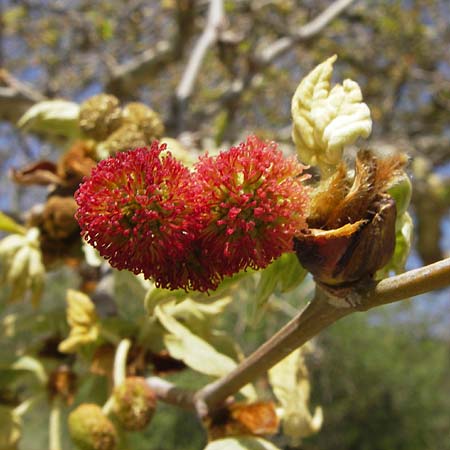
x=126, y=76
x=275, y=50
x=207, y=39
x=321, y=312
x=15, y=97
x=169, y=393
x=305, y=32
x=409, y=284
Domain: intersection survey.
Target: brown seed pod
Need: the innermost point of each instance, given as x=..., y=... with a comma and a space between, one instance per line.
x=352, y=232
x=58, y=217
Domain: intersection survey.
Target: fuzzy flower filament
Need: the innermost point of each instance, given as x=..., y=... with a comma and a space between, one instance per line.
x=138, y=210
x=146, y=212
x=256, y=203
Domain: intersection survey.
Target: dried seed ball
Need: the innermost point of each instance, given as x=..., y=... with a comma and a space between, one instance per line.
x=134, y=403
x=90, y=429
x=99, y=116
x=145, y=118
x=127, y=137
x=58, y=217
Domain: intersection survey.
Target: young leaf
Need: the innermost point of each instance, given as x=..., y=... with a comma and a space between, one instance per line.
x=193, y=350
x=401, y=192
x=283, y=275
x=9, y=225
x=403, y=238
x=325, y=120
x=55, y=117
x=290, y=383
x=33, y=365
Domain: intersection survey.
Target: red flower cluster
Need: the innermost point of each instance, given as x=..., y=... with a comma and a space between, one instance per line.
x=138, y=209
x=145, y=212
x=256, y=203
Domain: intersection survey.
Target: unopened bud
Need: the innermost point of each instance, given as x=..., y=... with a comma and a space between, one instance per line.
x=90, y=429
x=127, y=137
x=134, y=403
x=99, y=116
x=145, y=118
x=352, y=227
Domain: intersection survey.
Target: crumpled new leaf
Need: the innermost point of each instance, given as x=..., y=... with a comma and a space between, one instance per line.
x=193, y=350
x=83, y=321
x=290, y=383
x=54, y=117
x=241, y=443
x=325, y=120
x=21, y=265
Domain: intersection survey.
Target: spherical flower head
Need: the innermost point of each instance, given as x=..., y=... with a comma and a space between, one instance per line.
x=256, y=204
x=134, y=403
x=138, y=209
x=90, y=429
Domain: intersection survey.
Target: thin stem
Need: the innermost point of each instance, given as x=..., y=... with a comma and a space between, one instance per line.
x=317, y=315
x=169, y=393
x=307, y=31
x=119, y=371
x=208, y=37
x=54, y=425
x=409, y=284
x=120, y=362
x=320, y=313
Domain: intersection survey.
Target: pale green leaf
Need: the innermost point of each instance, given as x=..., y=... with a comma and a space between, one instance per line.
x=54, y=117
x=290, y=383
x=194, y=351
x=33, y=365
x=198, y=317
x=241, y=443
x=325, y=120
x=10, y=245
x=403, y=239
x=155, y=296
x=283, y=275
x=9, y=225
x=401, y=192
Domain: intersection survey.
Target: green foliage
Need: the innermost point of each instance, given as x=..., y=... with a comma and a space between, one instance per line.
x=9, y=225
x=54, y=117
x=381, y=387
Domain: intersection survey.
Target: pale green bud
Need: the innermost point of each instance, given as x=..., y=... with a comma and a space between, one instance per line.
x=22, y=268
x=90, y=429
